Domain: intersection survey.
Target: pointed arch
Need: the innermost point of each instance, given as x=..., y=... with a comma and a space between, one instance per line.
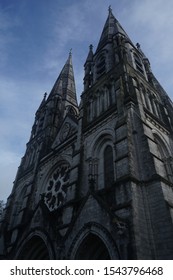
x=165, y=155
x=138, y=63
x=145, y=100
x=71, y=110
x=35, y=246
x=101, y=161
x=162, y=146
x=93, y=242
x=103, y=138
x=34, y=249
x=101, y=64
x=92, y=248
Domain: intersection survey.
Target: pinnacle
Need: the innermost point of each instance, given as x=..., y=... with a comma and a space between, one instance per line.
x=90, y=54
x=45, y=95
x=110, y=9
x=111, y=28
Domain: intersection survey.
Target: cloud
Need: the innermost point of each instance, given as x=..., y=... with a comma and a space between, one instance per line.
x=9, y=162
x=73, y=26
x=17, y=109
x=154, y=19
x=34, y=45
x=7, y=37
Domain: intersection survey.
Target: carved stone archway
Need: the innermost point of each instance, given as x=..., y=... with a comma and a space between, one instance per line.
x=92, y=248
x=93, y=242
x=34, y=249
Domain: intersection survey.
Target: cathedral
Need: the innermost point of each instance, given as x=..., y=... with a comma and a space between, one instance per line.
x=96, y=180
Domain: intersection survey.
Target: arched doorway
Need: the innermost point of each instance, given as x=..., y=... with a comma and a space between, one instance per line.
x=34, y=249
x=92, y=248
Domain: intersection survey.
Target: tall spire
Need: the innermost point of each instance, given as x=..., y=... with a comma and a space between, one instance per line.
x=65, y=83
x=111, y=28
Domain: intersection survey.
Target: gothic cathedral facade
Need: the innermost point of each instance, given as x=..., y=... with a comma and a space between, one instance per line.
x=96, y=180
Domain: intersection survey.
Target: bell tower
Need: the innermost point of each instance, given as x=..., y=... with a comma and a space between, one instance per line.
x=127, y=119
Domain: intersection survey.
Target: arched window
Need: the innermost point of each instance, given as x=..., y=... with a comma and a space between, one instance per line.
x=138, y=63
x=107, y=96
x=143, y=95
x=101, y=66
x=108, y=167
x=165, y=157
x=101, y=161
x=95, y=107
x=102, y=101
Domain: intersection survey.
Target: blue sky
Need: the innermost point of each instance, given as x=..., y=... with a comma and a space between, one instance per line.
x=35, y=39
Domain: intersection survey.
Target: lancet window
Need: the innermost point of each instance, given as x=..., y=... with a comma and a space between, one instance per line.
x=108, y=166
x=138, y=64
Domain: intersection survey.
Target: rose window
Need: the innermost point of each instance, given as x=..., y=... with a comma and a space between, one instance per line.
x=56, y=191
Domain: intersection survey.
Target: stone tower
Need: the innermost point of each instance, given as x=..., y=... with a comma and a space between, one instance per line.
x=96, y=181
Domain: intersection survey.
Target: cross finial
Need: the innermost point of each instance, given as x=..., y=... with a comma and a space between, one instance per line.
x=70, y=53
x=110, y=9
x=91, y=47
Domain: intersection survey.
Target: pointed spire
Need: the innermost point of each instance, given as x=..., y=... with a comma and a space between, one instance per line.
x=65, y=83
x=64, y=90
x=42, y=102
x=90, y=54
x=111, y=28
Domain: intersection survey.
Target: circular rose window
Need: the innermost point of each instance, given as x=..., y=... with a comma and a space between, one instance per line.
x=56, y=190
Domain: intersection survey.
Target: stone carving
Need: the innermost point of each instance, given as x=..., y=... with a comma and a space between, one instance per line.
x=65, y=131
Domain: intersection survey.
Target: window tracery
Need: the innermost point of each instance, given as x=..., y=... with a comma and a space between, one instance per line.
x=101, y=66
x=138, y=63
x=101, y=163
x=101, y=100
x=152, y=103
x=166, y=157
x=56, y=191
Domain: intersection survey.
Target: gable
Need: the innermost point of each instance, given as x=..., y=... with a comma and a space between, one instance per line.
x=67, y=130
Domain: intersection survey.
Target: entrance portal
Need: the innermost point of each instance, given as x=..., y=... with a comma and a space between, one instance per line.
x=92, y=248
x=34, y=249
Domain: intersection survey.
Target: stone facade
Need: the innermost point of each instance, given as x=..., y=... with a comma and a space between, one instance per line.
x=96, y=181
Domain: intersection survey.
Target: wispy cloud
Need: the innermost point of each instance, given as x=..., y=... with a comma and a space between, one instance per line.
x=7, y=37
x=152, y=22
x=35, y=38
x=9, y=162
x=17, y=109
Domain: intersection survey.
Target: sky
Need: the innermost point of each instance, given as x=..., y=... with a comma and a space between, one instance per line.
x=35, y=39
